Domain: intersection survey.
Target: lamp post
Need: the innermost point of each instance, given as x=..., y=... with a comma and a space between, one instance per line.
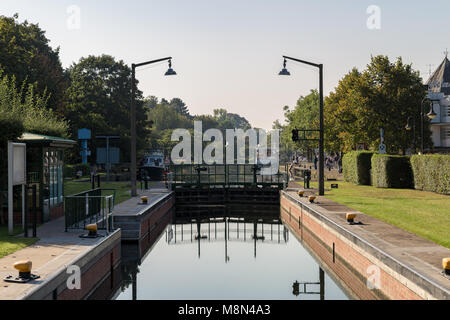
x=169, y=72
x=285, y=72
x=431, y=115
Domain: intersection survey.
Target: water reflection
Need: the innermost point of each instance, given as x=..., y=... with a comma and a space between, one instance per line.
x=228, y=230
x=225, y=255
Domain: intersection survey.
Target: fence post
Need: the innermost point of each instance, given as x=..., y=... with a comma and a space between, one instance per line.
x=25, y=217
x=34, y=211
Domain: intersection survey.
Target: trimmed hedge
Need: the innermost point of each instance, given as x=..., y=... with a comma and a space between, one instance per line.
x=390, y=171
x=356, y=167
x=431, y=172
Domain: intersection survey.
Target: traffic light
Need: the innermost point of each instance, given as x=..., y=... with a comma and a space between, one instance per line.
x=295, y=135
x=296, y=288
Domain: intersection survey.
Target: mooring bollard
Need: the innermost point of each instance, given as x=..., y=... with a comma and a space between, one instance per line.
x=144, y=199
x=350, y=217
x=301, y=193
x=92, y=228
x=446, y=266
x=311, y=199
x=25, y=275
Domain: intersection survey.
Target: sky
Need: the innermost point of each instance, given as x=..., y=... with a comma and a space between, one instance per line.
x=227, y=54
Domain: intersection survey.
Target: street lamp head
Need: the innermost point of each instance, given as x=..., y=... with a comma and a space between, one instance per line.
x=408, y=126
x=284, y=72
x=431, y=115
x=170, y=71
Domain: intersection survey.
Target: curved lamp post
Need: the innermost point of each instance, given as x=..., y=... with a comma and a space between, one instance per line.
x=169, y=72
x=411, y=125
x=285, y=72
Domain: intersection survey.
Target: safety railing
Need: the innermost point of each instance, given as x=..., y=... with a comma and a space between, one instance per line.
x=92, y=206
x=225, y=175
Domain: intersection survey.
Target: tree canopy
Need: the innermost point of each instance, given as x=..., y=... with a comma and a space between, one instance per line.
x=383, y=95
x=25, y=53
x=99, y=99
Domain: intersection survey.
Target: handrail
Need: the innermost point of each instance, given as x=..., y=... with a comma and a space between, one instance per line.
x=89, y=207
x=223, y=175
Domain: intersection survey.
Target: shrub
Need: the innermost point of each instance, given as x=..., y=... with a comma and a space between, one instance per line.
x=391, y=171
x=356, y=167
x=431, y=172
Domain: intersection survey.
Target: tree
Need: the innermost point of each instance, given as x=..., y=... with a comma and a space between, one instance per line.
x=150, y=102
x=228, y=120
x=384, y=95
x=179, y=106
x=305, y=115
x=25, y=53
x=99, y=99
x=22, y=110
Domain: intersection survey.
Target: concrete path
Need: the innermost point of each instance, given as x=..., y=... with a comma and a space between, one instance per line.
x=54, y=251
x=134, y=205
x=419, y=254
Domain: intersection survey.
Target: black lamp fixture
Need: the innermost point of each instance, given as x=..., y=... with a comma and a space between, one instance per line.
x=431, y=115
x=408, y=126
x=411, y=125
x=284, y=72
x=170, y=71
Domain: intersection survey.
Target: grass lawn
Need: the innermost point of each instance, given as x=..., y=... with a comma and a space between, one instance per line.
x=423, y=213
x=9, y=244
x=122, y=188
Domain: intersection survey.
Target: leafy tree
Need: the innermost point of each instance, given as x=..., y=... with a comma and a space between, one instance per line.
x=25, y=53
x=150, y=102
x=228, y=120
x=179, y=106
x=384, y=95
x=99, y=99
x=22, y=110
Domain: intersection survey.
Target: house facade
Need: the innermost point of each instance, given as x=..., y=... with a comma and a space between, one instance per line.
x=439, y=93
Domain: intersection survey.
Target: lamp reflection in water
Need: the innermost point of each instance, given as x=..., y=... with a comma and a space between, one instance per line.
x=296, y=286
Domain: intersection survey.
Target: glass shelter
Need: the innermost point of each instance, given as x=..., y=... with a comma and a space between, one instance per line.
x=45, y=170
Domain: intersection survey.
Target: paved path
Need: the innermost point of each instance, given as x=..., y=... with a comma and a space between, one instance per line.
x=417, y=253
x=134, y=206
x=55, y=250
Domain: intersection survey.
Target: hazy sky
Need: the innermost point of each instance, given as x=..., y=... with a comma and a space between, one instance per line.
x=228, y=53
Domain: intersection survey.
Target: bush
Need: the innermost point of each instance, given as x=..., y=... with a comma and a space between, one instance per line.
x=431, y=172
x=391, y=171
x=356, y=167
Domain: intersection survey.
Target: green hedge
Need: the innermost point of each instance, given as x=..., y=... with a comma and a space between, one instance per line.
x=431, y=172
x=356, y=167
x=391, y=171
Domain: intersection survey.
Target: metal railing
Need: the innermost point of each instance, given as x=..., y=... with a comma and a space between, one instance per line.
x=87, y=207
x=224, y=175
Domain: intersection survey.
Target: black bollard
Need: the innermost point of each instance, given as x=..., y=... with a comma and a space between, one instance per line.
x=34, y=210
x=25, y=217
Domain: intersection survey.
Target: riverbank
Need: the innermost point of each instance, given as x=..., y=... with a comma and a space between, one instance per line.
x=409, y=266
x=51, y=256
x=423, y=213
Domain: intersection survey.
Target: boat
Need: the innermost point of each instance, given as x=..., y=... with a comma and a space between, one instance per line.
x=153, y=165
